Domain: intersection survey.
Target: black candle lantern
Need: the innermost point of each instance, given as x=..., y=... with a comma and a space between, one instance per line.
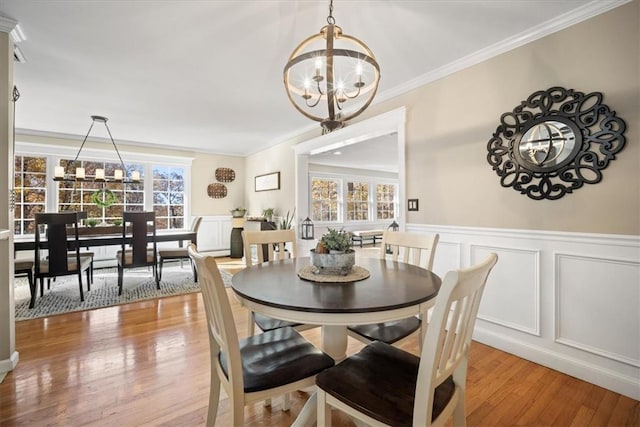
x=307, y=229
x=393, y=227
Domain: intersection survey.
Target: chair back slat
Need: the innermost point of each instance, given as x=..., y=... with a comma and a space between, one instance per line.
x=223, y=336
x=267, y=239
x=54, y=227
x=449, y=334
x=411, y=248
x=137, y=226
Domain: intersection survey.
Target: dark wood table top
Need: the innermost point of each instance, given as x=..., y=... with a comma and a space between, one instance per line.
x=94, y=240
x=391, y=285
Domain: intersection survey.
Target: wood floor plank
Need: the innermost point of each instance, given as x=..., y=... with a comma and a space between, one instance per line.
x=147, y=364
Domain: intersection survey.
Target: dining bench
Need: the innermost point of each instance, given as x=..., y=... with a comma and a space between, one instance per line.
x=359, y=236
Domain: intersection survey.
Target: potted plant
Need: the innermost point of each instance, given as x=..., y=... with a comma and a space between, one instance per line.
x=92, y=222
x=286, y=222
x=333, y=254
x=268, y=213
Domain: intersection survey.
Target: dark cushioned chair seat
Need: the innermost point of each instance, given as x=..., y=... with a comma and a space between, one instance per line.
x=268, y=323
x=362, y=381
x=388, y=332
x=290, y=358
x=173, y=253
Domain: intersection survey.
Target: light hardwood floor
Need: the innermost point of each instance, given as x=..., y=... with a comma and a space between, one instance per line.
x=147, y=364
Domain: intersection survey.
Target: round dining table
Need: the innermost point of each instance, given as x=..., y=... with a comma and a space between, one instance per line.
x=393, y=291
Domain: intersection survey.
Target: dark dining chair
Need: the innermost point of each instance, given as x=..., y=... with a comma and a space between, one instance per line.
x=137, y=229
x=384, y=385
x=24, y=267
x=254, y=368
x=180, y=253
x=62, y=258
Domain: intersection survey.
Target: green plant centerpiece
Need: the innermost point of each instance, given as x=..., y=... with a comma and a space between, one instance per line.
x=92, y=222
x=333, y=253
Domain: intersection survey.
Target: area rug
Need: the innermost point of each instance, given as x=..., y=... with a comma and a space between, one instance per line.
x=64, y=295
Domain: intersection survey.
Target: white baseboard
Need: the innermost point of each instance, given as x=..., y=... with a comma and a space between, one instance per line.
x=8, y=365
x=594, y=374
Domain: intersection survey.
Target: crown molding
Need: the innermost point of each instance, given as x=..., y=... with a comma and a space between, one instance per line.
x=8, y=25
x=587, y=11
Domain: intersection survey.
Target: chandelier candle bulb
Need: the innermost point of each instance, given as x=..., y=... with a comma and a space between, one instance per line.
x=99, y=174
x=117, y=175
x=79, y=173
x=135, y=176
x=59, y=172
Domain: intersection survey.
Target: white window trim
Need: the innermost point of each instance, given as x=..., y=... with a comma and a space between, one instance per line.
x=56, y=152
x=343, y=179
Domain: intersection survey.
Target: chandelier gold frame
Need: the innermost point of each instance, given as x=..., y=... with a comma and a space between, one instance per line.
x=345, y=88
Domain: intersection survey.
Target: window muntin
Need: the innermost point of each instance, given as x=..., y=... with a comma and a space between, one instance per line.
x=352, y=198
x=30, y=178
x=386, y=201
x=168, y=196
x=357, y=201
x=324, y=199
x=79, y=196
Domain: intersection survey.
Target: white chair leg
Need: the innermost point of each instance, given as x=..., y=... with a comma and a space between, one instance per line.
x=286, y=401
x=324, y=410
x=214, y=399
x=251, y=325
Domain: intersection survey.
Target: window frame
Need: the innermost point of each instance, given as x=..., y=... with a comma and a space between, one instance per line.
x=54, y=153
x=344, y=180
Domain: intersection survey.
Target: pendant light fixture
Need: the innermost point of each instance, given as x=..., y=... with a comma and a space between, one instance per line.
x=62, y=173
x=331, y=70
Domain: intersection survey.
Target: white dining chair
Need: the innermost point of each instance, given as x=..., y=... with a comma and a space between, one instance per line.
x=256, y=368
x=383, y=385
x=269, y=245
x=411, y=248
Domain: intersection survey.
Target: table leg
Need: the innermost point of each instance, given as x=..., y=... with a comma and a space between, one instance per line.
x=334, y=341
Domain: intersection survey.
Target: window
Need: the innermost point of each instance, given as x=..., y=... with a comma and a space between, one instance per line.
x=168, y=196
x=324, y=199
x=353, y=199
x=357, y=201
x=92, y=197
x=30, y=177
x=386, y=201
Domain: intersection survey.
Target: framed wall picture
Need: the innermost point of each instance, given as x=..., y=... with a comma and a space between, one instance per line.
x=269, y=181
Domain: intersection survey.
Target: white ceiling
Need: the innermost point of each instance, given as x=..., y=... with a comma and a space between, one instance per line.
x=207, y=75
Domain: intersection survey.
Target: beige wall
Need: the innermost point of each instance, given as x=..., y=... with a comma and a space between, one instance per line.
x=202, y=171
x=275, y=159
x=450, y=121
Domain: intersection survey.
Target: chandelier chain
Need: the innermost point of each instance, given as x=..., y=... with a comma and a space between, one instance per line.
x=330, y=19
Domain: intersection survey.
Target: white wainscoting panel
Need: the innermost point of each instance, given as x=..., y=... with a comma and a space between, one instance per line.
x=569, y=301
x=597, y=306
x=448, y=257
x=512, y=295
x=214, y=235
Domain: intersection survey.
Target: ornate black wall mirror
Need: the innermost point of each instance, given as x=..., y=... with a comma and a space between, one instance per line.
x=554, y=142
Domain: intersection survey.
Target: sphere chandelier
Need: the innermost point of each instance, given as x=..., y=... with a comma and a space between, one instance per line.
x=333, y=70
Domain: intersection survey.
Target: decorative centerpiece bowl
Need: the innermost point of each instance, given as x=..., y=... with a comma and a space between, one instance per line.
x=336, y=263
x=333, y=254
